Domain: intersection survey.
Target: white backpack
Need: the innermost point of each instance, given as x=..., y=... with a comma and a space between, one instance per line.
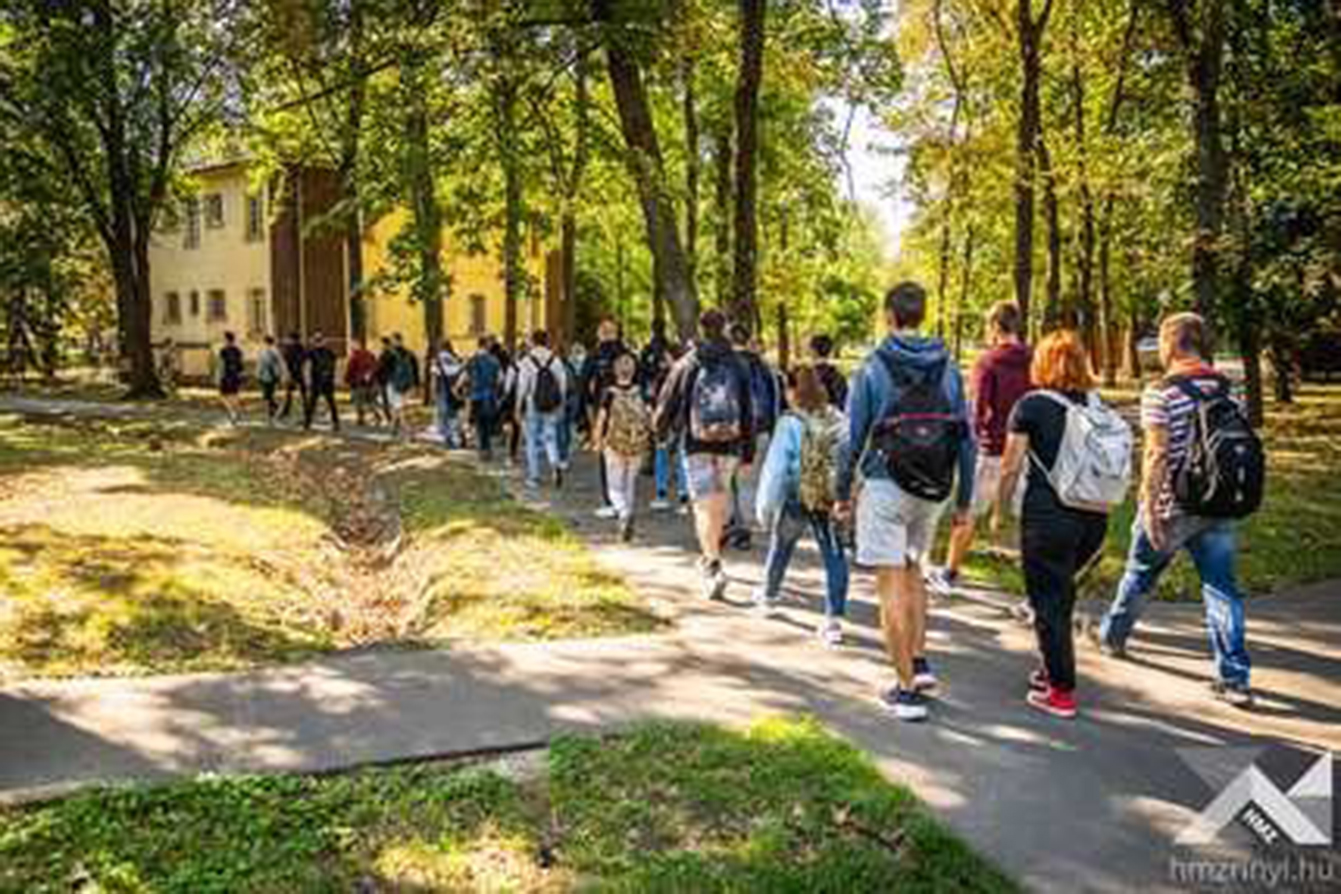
x=1093, y=467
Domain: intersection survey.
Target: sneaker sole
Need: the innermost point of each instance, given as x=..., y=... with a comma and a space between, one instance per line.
x=906, y=714
x=925, y=684
x=1051, y=710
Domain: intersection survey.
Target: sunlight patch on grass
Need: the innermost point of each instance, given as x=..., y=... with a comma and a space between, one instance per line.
x=784, y=806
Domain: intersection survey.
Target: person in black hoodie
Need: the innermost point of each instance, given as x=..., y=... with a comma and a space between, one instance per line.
x=321, y=363
x=767, y=403
x=707, y=398
x=597, y=375
x=295, y=357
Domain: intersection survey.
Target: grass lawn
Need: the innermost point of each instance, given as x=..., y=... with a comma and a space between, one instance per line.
x=139, y=546
x=1292, y=540
x=782, y=807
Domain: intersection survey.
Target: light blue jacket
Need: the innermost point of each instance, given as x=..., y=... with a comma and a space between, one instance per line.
x=780, y=478
x=873, y=397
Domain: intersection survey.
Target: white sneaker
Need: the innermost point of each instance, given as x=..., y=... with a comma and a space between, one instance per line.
x=764, y=605
x=830, y=633
x=714, y=581
x=607, y=512
x=941, y=581
x=660, y=505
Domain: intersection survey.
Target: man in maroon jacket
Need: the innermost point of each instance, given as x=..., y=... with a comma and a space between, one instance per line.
x=1000, y=378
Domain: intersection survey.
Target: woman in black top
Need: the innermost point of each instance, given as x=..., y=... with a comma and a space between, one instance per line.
x=1057, y=541
x=230, y=376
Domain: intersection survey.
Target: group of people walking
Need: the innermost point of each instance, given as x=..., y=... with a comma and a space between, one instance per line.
x=867, y=467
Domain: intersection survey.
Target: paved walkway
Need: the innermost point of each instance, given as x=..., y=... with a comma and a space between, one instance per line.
x=1092, y=805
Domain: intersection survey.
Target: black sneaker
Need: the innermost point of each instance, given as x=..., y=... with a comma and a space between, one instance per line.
x=558, y=479
x=904, y=704
x=626, y=529
x=1236, y=694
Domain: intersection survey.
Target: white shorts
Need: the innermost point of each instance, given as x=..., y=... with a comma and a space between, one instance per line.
x=394, y=399
x=709, y=473
x=894, y=528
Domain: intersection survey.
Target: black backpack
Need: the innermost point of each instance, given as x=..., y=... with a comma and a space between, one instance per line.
x=922, y=435
x=547, y=396
x=1224, y=472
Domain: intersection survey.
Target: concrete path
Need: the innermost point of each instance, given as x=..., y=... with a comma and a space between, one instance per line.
x=1093, y=805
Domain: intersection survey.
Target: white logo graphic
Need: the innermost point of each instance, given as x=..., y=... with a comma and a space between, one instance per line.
x=1302, y=815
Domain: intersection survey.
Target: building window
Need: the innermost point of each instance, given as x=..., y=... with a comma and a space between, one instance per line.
x=479, y=322
x=195, y=304
x=172, y=308
x=214, y=212
x=192, y=223
x=217, y=308
x=255, y=219
x=257, y=324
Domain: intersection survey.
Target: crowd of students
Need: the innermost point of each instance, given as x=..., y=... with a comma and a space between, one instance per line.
x=867, y=468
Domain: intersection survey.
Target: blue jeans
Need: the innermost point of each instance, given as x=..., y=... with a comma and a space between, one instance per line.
x=664, y=458
x=1212, y=548
x=542, y=434
x=448, y=422
x=788, y=527
x=482, y=412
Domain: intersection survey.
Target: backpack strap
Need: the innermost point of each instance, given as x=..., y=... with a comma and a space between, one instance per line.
x=1184, y=384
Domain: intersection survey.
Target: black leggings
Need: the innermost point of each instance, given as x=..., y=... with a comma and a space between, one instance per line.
x=322, y=392
x=1056, y=547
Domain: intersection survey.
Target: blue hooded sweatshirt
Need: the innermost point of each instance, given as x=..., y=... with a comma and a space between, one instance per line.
x=874, y=396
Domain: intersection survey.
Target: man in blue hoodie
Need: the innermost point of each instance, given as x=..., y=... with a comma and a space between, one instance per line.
x=910, y=440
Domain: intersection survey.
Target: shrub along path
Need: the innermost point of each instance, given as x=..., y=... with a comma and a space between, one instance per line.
x=1092, y=805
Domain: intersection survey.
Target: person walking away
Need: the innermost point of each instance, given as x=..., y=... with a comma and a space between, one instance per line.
x=321, y=363
x=1203, y=470
x=999, y=379
x=448, y=372
x=386, y=362
x=572, y=407
x=909, y=437
x=835, y=383
x=509, y=427
x=231, y=366
x=483, y=374
x=598, y=374
x=270, y=372
x=796, y=494
x=400, y=382
x=654, y=365
x=766, y=399
x=1078, y=453
x=169, y=367
x=706, y=400
x=295, y=359
x=624, y=429
x=361, y=379
x=542, y=400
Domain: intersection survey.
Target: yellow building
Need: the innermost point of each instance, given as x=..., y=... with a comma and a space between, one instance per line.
x=247, y=260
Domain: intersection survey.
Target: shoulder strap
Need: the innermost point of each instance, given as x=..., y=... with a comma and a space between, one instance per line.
x=1184, y=384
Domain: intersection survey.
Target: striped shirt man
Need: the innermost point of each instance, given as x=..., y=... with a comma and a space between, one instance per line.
x=1165, y=405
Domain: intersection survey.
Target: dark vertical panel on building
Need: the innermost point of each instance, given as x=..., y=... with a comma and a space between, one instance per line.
x=323, y=259
x=284, y=280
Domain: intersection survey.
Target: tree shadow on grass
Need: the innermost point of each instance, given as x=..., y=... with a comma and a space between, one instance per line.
x=91, y=604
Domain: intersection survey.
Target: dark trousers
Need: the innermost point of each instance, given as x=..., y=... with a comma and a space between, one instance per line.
x=295, y=384
x=482, y=415
x=319, y=392
x=1056, y=547
x=605, y=480
x=268, y=390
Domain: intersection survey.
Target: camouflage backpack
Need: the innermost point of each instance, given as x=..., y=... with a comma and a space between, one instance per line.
x=628, y=429
x=821, y=434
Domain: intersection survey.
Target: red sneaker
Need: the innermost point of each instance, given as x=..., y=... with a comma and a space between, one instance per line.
x=1054, y=701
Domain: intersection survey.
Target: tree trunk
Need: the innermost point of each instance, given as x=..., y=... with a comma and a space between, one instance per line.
x=645, y=163
x=349, y=186
x=722, y=160
x=691, y=170
x=784, y=338
x=423, y=197
x=1084, y=298
x=943, y=275
x=1250, y=349
x=1133, y=353
x=1054, y=314
x=752, y=18
x=965, y=283
x=1030, y=34
x=506, y=99
x=568, y=243
x=1108, y=319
